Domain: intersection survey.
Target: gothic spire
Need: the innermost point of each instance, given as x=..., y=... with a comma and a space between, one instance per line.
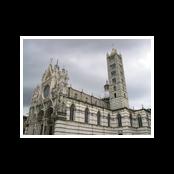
x=57, y=66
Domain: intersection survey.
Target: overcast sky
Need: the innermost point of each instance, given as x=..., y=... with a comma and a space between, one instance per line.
x=85, y=61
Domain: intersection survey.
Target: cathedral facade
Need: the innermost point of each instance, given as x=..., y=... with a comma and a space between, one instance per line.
x=58, y=109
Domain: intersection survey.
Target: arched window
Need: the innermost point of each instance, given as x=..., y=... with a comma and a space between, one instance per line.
x=63, y=108
x=140, y=121
x=119, y=120
x=98, y=118
x=131, y=119
x=109, y=120
x=86, y=115
x=72, y=111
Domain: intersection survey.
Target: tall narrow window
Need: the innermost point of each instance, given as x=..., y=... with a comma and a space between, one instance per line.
x=50, y=130
x=41, y=129
x=86, y=99
x=115, y=95
x=98, y=118
x=72, y=110
x=75, y=95
x=45, y=130
x=131, y=119
x=86, y=115
x=109, y=120
x=148, y=120
x=140, y=124
x=119, y=120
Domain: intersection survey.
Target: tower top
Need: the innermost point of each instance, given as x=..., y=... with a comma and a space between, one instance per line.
x=113, y=52
x=117, y=84
x=113, y=49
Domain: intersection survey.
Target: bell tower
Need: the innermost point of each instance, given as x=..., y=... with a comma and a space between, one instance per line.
x=117, y=84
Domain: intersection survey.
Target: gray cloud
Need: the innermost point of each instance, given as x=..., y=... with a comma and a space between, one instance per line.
x=85, y=61
x=27, y=96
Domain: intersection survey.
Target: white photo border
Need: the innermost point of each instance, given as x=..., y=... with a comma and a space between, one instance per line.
x=87, y=37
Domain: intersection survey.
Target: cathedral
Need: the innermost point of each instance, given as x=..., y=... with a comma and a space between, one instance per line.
x=58, y=109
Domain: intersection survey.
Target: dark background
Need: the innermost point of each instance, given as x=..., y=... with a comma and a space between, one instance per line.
x=99, y=19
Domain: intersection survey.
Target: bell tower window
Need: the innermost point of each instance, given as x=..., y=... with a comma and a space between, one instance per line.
x=113, y=73
x=114, y=80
